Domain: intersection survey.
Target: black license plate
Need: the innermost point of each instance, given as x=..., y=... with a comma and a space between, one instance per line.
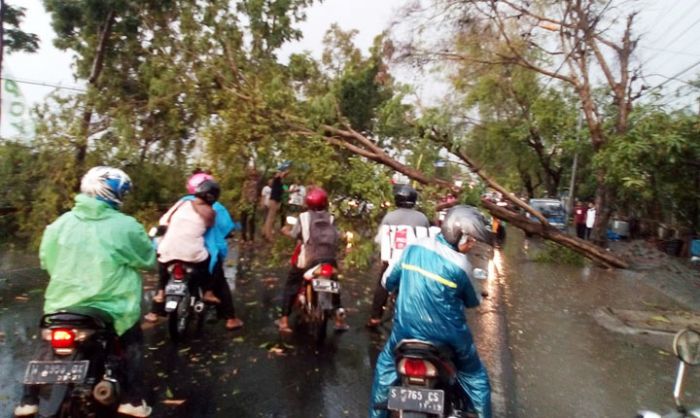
x=52, y=372
x=416, y=400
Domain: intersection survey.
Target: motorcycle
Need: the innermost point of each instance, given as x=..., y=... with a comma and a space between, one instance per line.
x=184, y=306
x=686, y=346
x=315, y=299
x=81, y=374
x=315, y=296
x=428, y=384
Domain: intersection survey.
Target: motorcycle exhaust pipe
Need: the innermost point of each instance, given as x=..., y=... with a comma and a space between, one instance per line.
x=106, y=392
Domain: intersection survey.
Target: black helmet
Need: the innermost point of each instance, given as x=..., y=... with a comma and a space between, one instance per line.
x=405, y=196
x=208, y=190
x=463, y=221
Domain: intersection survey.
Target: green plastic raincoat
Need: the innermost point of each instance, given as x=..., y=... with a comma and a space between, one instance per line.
x=92, y=254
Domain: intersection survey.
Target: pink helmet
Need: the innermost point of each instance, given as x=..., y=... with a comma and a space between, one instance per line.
x=194, y=181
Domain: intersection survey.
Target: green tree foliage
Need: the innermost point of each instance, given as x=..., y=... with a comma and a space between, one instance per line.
x=654, y=167
x=14, y=39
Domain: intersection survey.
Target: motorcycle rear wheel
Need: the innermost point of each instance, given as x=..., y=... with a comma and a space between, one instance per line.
x=179, y=319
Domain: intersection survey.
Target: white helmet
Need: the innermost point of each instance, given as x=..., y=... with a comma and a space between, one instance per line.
x=107, y=184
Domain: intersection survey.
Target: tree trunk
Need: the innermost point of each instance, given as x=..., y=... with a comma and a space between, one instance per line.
x=363, y=146
x=583, y=247
x=97, y=66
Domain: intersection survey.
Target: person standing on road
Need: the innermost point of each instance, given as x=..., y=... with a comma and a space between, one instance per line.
x=580, y=219
x=276, y=196
x=434, y=288
x=403, y=218
x=93, y=255
x=590, y=220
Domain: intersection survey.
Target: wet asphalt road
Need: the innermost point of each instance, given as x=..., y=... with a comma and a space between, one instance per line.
x=548, y=359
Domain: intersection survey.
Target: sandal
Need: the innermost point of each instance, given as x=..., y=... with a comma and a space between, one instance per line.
x=234, y=324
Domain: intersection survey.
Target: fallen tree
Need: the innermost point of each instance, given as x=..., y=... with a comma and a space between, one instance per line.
x=359, y=144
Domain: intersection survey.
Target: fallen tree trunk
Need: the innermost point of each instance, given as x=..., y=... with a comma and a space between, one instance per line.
x=546, y=231
x=361, y=145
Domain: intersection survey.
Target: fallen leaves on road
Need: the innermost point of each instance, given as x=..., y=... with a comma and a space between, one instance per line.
x=21, y=298
x=173, y=402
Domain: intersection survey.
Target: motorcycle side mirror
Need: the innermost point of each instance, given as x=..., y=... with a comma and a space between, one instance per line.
x=291, y=220
x=480, y=274
x=686, y=345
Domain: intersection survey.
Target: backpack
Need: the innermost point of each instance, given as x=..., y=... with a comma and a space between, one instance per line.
x=322, y=240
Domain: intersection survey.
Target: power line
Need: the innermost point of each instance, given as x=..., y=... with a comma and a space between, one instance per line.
x=43, y=84
x=675, y=76
x=683, y=15
x=690, y=54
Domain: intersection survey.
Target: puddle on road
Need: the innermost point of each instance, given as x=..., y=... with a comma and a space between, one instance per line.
x=566, y=365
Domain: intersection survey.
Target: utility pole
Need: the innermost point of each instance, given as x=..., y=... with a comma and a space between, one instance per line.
x=570, y=205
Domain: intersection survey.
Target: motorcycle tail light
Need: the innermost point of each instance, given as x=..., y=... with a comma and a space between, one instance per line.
x=62, y=340
x=326, y=270
x=178, y=271
x=417, y=368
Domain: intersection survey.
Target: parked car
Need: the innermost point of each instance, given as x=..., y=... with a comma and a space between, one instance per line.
x=552, y=209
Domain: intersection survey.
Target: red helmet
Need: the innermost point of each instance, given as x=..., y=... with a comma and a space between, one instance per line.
x=317, y=199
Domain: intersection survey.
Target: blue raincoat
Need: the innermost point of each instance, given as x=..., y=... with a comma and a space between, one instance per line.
x=215, y=237
x=434, y=291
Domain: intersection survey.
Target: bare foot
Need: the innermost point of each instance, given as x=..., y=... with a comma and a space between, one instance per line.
x=233, y=323
x=210, y=298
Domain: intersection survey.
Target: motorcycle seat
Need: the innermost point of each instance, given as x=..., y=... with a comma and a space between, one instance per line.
x=412, y=347
x=78, y=317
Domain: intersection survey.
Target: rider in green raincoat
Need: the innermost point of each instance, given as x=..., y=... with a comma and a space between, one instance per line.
x=93, y=254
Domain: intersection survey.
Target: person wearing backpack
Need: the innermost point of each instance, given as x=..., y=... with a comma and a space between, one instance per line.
x=317, y=242
x=396, y=230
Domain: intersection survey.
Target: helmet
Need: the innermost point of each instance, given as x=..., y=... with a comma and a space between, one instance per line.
x=196, y=179
x=107, y=184
x=405, y=196
x=463, y=221
x=317, y=199
x=208, y=190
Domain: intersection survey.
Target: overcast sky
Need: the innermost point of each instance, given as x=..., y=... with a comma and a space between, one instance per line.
x=670, y=40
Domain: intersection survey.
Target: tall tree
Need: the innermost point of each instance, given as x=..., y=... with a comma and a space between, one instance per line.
x=578, y=37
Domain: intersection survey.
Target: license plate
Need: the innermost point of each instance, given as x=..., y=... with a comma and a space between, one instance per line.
x=175, y=289
x=416, y=400
x=53, y=372
x=326, y=285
